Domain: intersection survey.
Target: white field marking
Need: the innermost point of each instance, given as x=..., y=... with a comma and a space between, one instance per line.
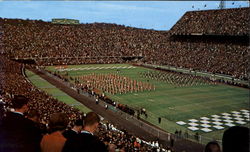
x=193, y=120
x=241, y=122
x=205, y=121
x=193, y=128
x=218, y=127
x=180, y=122
x=205, y=125
x=204, y=118
x=218, y=122
x=206, y=129
x=229, y=124
x=97, y=68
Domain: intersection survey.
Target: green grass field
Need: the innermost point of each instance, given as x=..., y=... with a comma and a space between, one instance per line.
x=55, y=92
x=173, y=103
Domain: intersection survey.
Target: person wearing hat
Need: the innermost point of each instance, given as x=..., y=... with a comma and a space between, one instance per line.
x=55, y=141
x=16, y=132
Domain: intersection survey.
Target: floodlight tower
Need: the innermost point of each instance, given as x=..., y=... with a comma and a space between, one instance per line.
x=222, y=4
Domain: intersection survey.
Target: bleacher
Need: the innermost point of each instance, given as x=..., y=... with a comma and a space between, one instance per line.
x=234, y=22
x=214, y=41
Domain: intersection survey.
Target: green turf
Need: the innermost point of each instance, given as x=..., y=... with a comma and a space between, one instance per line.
x=55, y=92
x=175, y=103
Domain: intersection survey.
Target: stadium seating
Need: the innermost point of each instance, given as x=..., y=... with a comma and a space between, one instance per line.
x=214, y=22
x=52, y=44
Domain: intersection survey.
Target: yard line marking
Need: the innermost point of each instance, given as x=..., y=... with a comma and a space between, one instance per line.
x=97, y=68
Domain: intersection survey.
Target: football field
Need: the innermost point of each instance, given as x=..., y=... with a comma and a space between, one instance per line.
x=54, y=92
x=193, y=106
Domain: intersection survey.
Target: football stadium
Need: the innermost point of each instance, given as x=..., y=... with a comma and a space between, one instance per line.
x=159, y=91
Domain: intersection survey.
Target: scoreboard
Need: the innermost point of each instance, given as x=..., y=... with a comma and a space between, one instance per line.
x=64, y=21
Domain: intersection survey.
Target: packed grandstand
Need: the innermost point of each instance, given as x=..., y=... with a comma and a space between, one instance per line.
x=215, y=41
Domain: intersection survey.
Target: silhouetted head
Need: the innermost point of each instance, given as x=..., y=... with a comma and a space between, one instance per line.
x=58, y=122
x=236, y=139
x=79, y=122
x=91, y=122
x=19, y=101
x=212, y=146
x=91, y=118
x=33, y=115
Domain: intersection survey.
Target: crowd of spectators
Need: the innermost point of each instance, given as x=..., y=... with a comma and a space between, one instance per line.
x=229, y=59
x=42, y=39
x=13, y=82
x=51, y=44
x=219, y=22
x=1, y=37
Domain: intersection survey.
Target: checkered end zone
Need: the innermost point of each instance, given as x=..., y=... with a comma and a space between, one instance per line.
x=217, y=122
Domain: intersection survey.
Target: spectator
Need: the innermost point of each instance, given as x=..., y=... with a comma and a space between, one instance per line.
x=212, y=146
x=87, y=141
x=2, y=110
x=72, y=133
x=17, y=134
x=159, y=120
x=34, y=116
x=172, y=140
x=55, y=141
x=236, y=139
x=35, y=130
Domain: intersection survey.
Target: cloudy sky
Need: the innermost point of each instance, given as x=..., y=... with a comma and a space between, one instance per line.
x=158, y=15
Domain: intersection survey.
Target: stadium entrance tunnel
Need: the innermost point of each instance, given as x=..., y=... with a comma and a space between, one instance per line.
x=25, y=61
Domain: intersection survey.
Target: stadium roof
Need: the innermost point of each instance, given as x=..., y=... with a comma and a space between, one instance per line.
x=214, y=22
